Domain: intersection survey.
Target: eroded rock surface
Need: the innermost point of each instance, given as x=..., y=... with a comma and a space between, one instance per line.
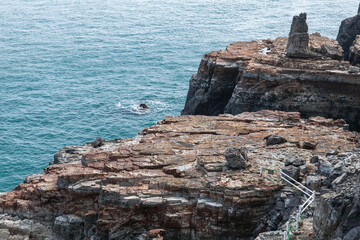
x=298, y=42
x=172, y=182
x=348, y=30
x=354, y=54
x=337, y=212
x=243, y=79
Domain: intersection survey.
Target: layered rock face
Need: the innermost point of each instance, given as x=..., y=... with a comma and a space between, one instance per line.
x=337, y=212
x=348, y=31
x=171, y=182
x=257, y=75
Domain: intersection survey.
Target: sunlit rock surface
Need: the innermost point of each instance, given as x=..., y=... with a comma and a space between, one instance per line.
x=171, y=181
x=257, y=75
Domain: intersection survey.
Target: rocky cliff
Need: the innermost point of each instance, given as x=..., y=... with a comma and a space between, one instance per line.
x=348, y=31
x=257, y=75
x=172, y=181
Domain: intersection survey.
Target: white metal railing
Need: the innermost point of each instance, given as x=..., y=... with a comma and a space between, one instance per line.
x=309, y=195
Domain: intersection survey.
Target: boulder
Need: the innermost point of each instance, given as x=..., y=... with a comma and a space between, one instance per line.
x=97, y=142
x=295, y=161
x=236, y=157
x=314, y=182
x=309, y=145
x=292, y=171
x=324, y=168
x=314, y=159
x=273, y=140
x=298, y=42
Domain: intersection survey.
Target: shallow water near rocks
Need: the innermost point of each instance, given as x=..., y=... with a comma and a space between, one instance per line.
x=73, y=70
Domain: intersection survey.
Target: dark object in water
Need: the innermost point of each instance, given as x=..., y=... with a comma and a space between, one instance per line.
x=143, y=106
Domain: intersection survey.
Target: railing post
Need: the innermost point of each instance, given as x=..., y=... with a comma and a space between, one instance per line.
x=260, y=171
x=285, y=235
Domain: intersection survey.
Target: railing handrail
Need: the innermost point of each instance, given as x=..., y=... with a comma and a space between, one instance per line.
x=307, y=189
x=310, y=199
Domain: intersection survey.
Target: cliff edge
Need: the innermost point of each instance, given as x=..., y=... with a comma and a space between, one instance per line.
x=175, y=180
x=250, y=76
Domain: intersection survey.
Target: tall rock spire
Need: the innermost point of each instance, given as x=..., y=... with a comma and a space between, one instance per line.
x=298, y=43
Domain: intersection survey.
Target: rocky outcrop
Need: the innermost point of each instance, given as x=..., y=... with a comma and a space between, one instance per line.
x=337, y=212
x=348, y=30
x=354, y=54
x=317, y=86
x=298, y=42
x=172, y=181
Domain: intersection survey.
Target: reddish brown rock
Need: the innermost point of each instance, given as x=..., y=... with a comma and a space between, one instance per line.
x=244, y=79
x=172, y=177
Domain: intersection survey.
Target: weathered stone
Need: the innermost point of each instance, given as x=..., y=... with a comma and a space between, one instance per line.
x=298, y=42
x=354, y=54
x=353, y=234
x=240, y=79
x=314, y=159
x=274, y=140
x=164, y=179
x=292, y=171
x=69, y=227
x=348, y=30
x=295, y=161
x=280, y=205
x=97, y=142
x=236, y=157
x=309, y=145
x=324, y=168
x=314, y=182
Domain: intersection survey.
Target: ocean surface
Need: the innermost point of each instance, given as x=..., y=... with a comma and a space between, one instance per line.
x=73, y=70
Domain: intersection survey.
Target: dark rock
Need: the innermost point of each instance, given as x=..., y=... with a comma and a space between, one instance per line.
x=236, y=157
x=298, y=43
x=332, y=52
x=348, y=30
x=295, y=161
x=292, y=171
x=324, y=168
x=143, y=106
x=211, y=88
x=340, y=179
x=314, y=182
x=273, y=140
x=69, y=227
x=354, y=54
x=280, y=205
x=97, y=142
x=353, y=234
x=309, y=145
x=293, y=201
x=314, y=159
x=338, y=169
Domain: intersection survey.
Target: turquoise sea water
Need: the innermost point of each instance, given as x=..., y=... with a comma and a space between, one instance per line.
x=72, y=70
